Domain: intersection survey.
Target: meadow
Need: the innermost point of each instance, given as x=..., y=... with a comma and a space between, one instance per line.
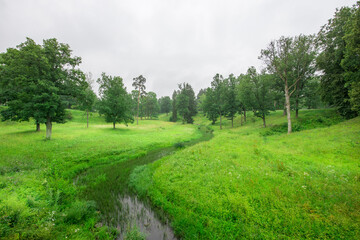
x=38, y=196
x=254, y=183
x=246, y=182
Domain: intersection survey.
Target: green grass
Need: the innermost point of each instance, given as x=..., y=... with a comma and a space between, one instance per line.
x=38, y=199
x=248, y=184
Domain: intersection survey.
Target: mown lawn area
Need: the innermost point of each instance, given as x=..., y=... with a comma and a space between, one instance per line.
x=254, y=183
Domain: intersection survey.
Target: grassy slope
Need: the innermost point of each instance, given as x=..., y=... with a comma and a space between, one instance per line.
x=37, y=196
x=242, y=184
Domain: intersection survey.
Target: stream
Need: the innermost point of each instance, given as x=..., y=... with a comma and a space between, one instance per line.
x=119, y=206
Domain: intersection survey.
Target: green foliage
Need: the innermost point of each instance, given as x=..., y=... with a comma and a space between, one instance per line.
x=185, y=103
x=351, y=61
x=165, y=104
x=150, y=105
x=173, y=117
x=220, y=100
x=115, y=102
x=255, y=93
x=37, y=79
x=139, y=84
x=80, y=211
x=306, y=122
x=338, y=40
x=291, y=59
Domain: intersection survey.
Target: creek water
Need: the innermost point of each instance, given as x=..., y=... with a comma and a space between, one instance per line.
x=140, y=214
x=119, y=206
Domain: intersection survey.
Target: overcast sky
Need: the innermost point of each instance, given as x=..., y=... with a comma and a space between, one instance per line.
x=167, y=41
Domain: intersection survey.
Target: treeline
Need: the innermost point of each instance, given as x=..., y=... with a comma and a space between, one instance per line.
x=301, y=71
x=41, y=81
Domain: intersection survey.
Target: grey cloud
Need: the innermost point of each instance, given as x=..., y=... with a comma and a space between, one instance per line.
x=167, y=41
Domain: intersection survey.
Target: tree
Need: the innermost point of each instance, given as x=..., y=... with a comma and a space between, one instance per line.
x=185, y=103
x=219, y=96
x=165, y=104
x=331, y=39
x=240, y=97
x=115, y=102
x=199, y=98
x=139, y=84
x=260, y=96
x=231, y=103
x=38, y=78
x=351, y=61
x=290, y=59
x=151, y=106
x=209, y=106
x=311, y=93
x=173, y=118
x=88, y=98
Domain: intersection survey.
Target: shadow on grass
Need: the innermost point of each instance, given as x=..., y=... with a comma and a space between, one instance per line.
x=27, y=132
x=116, y=130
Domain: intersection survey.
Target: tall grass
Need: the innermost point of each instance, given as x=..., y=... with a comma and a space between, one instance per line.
x=39, y=191
x=248, y=184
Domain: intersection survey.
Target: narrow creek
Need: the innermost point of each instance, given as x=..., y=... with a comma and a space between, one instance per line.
x=119, y=206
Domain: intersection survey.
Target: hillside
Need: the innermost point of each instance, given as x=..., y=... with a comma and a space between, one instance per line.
x=255, y=183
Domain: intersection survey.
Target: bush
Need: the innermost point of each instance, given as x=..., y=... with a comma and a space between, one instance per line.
x=305, y=123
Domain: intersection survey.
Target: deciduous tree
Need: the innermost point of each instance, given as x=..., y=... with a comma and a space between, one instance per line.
x=139, y=84
x=291, y=60
x=38, y=78
x=115, y=102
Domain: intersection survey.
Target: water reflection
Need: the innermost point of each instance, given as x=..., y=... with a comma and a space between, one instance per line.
x=136, y=212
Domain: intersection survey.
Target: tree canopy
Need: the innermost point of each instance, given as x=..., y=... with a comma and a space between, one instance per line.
x=37, y=79
x=115, y=102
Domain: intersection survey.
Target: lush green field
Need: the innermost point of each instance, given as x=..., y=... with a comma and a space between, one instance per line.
x=38, y=199
x=255, y=183
x=246, y=182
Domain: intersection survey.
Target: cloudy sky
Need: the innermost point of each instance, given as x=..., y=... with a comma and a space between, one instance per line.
x=167, y=41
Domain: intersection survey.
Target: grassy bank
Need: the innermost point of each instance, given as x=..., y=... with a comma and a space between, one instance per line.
x=256, y=183
x=38, y=197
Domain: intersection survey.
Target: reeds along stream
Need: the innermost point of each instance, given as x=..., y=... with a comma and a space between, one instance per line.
x=118, y=205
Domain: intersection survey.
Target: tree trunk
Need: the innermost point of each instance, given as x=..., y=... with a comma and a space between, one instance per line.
x=287, y=100
x=297, y=106
x=264, y=122
x=232, y=122
x=220, y=122
x=241, y=119
x=48, y=128
x=297, y=100
x=113, y=125
x=87, y=118
x=244, y=115
x=284, y=113
x=38, y=127
x=137, y=116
